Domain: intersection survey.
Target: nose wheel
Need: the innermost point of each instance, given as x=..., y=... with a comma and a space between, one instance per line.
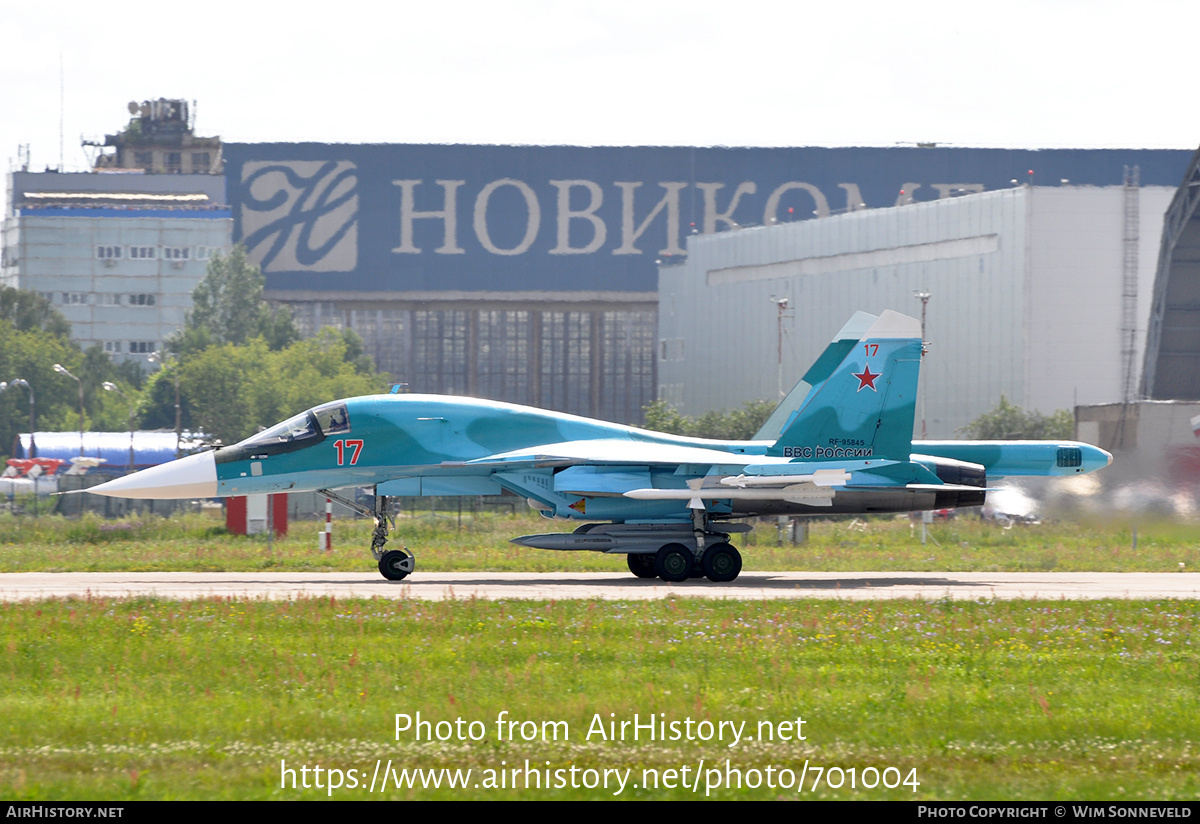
x=397, y=564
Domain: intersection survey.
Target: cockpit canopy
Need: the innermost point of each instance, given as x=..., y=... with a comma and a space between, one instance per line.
x=306, y=429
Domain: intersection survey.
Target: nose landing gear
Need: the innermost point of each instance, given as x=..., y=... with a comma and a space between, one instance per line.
x=394, y=564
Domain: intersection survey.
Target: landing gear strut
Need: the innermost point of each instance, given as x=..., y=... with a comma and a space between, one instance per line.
x=395, y=564
x=380, y=536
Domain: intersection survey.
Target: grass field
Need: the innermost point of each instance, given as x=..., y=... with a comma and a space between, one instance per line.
x=198, y=542
x=985, y=700
x=148, y=699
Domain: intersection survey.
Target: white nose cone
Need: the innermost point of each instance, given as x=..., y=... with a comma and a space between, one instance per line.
x=192, y=477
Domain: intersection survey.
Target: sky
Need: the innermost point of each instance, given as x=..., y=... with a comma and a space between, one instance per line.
x=1018, y=74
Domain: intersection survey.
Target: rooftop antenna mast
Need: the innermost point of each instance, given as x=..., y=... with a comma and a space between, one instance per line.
x=61, y=106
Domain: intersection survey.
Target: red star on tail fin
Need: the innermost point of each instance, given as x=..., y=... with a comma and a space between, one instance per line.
x=867, y=379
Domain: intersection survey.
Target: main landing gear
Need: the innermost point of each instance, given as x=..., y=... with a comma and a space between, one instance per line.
x=673, y=552
x=675, y=562
x=394, y=564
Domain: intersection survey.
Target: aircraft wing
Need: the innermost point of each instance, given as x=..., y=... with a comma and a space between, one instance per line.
x=618, y=451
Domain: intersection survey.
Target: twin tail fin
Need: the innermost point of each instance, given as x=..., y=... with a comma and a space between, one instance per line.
x=861, y=395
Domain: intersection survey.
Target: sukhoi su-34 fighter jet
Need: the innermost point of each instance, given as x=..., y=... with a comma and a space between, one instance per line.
x=841, y=442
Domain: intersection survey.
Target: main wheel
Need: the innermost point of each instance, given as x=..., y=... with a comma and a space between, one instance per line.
x=674, y=563
x=721, y=562
x=396, y=564
x=641, y=564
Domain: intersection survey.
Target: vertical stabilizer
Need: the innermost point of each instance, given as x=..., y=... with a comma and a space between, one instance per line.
x=864, y=406
x=815, y=377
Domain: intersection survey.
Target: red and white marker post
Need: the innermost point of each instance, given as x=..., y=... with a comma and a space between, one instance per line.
x=325, y=537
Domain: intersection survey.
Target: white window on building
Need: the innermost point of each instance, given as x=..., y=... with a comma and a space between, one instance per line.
x=108, y=252
x=143, y=252
x=109, y=299
x=177, y=253
x=207, y=252
x=672, y=393
x=75, y=298
x=670, y=349
x=142, y=347
x=142, y=299
x=112, y=346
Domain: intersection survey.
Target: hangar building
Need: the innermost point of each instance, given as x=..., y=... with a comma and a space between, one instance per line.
x=1154, y=439
x=1038, y=293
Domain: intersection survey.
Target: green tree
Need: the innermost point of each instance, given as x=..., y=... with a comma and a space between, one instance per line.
x=157, y=406
x=33, y=337
x=356, y=353
x=1010, y=422
x=737, y=425
x=227, y=307
x=214, y=387
x=229, y=392
x=660, y=416
x=106, y=411
x=31, y=355
x=28, y=312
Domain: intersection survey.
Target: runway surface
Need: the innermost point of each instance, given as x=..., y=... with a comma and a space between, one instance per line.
x=609, y=586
